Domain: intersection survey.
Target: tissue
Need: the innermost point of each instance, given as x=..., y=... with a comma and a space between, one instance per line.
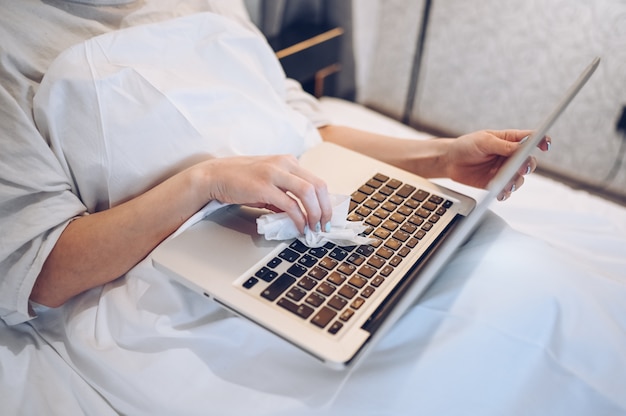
x=278, y=226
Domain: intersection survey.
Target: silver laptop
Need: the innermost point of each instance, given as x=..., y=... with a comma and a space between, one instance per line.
x=335, y=302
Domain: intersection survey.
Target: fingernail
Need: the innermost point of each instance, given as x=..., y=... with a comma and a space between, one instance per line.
x=513, y=188
x=318, y=227
x=327, y=228
x=528, y=170
x=549, y=146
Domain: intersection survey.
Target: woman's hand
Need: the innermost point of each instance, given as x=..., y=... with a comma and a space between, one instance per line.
x=475, y=158
x=275, y=182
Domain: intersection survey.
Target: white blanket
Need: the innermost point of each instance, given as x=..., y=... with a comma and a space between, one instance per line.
x=513, y=326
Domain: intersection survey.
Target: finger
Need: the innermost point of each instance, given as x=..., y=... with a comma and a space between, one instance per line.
x=511, y=187
x=315, y=199
x=511, y=135
x=545, y=144
x=528, y=167
x=283, y=202
x=310, y=191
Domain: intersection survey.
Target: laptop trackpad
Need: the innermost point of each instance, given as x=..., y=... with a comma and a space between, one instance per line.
x=228, y=240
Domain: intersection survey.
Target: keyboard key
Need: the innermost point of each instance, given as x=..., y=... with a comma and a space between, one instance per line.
x=289, y=255
x=373, y=221
x=274, y=263
x=420, y=195
x=347, y=291
x=335, y=327
x=318, y=273
x=299, y=246
x=365, y=250
x=371, y=204
x=326, y=288
x=393, y=244
x=394, y=183
x=303, y=311
x=376, y=262
x=396, y=199
x=377, y=281
x=315, y=299
x=379, y=197
x=346, y=315
x=405, y=190
x=358, y=197
x=405, y=210
x=384, y=252
x=368, y=291
x=346, y=268
x=337, y=302
x=355, y=259
x=307, y=260
x=424, y=213
x=367, y=271
x=375, y=183
x=323, y=317
x=318, y=252
x=328, y=263
x=357, y=281
x=401, y=235
x=266, y=274
x=395, y=260
x=276, y=288
x=357, y=303
x=250, y=282
x=366, y=189
x=338, y=254
x=382, y=233
x=386, y=271
x=381, y=178
x=435, y=199
x=297, y=270
x=307, y=283
x=295, y=293
x=386, y=190
x=336, y=278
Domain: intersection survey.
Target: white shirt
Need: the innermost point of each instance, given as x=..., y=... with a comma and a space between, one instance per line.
x=42, y=190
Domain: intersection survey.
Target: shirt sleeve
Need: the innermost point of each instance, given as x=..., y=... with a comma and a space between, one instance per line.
x=36, y=203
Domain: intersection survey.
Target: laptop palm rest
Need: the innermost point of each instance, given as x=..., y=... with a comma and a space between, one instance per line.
x=226, y=241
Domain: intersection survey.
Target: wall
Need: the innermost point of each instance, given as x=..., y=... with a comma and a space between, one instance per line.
x=501, y=64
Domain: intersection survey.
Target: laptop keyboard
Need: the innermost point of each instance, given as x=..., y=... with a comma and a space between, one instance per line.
x=327, y=286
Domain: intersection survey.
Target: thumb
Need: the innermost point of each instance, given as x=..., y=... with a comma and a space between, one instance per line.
x=494, y=145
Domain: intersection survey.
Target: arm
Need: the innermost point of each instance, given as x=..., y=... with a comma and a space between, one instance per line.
x=472, y=159
x=98, y=248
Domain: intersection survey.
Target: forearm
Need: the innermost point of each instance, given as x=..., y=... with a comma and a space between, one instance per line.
x=424, y=157
x=98, y=248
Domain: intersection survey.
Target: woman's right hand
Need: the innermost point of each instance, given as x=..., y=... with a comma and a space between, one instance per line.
x=274, y=182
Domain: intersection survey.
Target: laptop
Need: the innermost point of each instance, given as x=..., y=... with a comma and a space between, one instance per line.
x=335, y=302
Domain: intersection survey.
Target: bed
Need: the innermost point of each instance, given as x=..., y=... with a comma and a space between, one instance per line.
x=37, y=379
x=477, y=343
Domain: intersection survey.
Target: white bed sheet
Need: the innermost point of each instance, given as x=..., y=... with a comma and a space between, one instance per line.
x=36, y=379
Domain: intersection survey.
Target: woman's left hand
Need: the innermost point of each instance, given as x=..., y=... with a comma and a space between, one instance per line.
x=475, y=158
